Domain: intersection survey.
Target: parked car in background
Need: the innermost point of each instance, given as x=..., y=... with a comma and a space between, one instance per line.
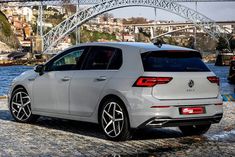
x=121, y=86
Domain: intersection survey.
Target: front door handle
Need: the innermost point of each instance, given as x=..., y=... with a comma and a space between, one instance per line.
x=31, y=79
x=66, y=78
x=101, y=78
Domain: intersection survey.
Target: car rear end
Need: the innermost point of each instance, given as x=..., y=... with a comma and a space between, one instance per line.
x=175, y=89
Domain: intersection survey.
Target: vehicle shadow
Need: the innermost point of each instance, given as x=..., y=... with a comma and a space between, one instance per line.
x=94, y=130
x=5, y=115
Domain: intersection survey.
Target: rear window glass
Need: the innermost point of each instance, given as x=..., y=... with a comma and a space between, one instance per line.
x=173, y=61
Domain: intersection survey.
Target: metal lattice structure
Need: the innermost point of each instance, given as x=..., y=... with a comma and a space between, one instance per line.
x=80, y=2
x=60, y=31
x=177, y=30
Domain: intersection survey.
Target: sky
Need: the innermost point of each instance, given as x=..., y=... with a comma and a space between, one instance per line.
x=217, y=11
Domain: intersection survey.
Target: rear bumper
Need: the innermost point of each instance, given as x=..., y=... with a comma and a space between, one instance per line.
x=146, y=109
x=158, y=122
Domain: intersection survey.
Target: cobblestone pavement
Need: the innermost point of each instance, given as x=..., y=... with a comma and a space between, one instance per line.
x=56, y=137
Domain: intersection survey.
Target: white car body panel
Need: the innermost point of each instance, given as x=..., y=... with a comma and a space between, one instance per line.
x=51, y=93
x=79, y=97
x=202, y=87
x=85, y=90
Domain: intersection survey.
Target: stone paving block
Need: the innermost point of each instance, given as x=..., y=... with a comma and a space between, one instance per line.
x=57, y=137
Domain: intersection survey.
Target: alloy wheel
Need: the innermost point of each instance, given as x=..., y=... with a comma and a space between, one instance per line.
x=20, y=106
x=112, y=119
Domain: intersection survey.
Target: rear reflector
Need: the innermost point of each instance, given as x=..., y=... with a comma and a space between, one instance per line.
x=192, y=110
x=151, y=81
x=160, y=106
x=213, y=79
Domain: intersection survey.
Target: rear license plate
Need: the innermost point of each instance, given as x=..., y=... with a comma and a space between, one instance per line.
x=192, y=110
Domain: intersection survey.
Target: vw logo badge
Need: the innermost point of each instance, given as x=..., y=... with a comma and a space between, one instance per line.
x=191, y=83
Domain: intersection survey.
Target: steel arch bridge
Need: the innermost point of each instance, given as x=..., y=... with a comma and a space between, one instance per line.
x=60, y=31
x=80, y=2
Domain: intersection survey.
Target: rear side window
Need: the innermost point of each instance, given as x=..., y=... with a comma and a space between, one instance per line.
x=173, y=61
x=103, y=58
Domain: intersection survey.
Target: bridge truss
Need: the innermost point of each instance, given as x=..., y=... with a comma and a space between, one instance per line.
x=60, y=31
x=81, y=2
x=100, y=6
x=177, y=30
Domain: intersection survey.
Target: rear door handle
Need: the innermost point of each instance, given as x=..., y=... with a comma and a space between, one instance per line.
x=101, y=78
x=66, y=78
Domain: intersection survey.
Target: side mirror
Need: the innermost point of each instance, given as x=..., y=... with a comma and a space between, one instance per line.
x=39, y=69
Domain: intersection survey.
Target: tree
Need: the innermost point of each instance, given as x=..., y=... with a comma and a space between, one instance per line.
x=191, y=42
x=222, y=44
x=232, y=43
x=107, y=16
x=69, y=8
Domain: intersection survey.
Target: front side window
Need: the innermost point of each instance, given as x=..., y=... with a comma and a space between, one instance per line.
x=69, y=61
x=103, y=58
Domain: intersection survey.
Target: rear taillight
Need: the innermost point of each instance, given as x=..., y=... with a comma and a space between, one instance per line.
x=213, y=79
x=151, y=81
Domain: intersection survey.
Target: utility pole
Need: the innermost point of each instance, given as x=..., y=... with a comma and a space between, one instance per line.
x=40, y=27
x=195, y=30
x=41, y=19
x=78, y=28
x=155, y=23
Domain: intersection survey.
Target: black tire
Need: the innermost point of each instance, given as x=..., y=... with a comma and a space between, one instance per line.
x=124, y=125
x=29, y=118
x=194, y=129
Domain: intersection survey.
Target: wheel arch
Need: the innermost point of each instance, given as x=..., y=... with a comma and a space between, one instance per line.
x=18, y=86
x=108, y=96
x=15, y=88
x=30, y=117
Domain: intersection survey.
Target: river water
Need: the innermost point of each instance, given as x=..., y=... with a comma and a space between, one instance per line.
x=7, y=74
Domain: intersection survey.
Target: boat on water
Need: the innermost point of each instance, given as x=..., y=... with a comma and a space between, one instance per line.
x=6, y=62
x=8, y=59
x=224, y=59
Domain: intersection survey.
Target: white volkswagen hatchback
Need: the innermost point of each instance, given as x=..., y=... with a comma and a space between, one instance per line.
x=121, y=86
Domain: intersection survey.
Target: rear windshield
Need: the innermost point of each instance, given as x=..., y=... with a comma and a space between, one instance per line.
x=173, y=61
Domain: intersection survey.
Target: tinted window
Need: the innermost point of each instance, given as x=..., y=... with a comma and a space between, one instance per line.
x=102, y=58
x=70, y=60
x=116, y=61
x=173, y=61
